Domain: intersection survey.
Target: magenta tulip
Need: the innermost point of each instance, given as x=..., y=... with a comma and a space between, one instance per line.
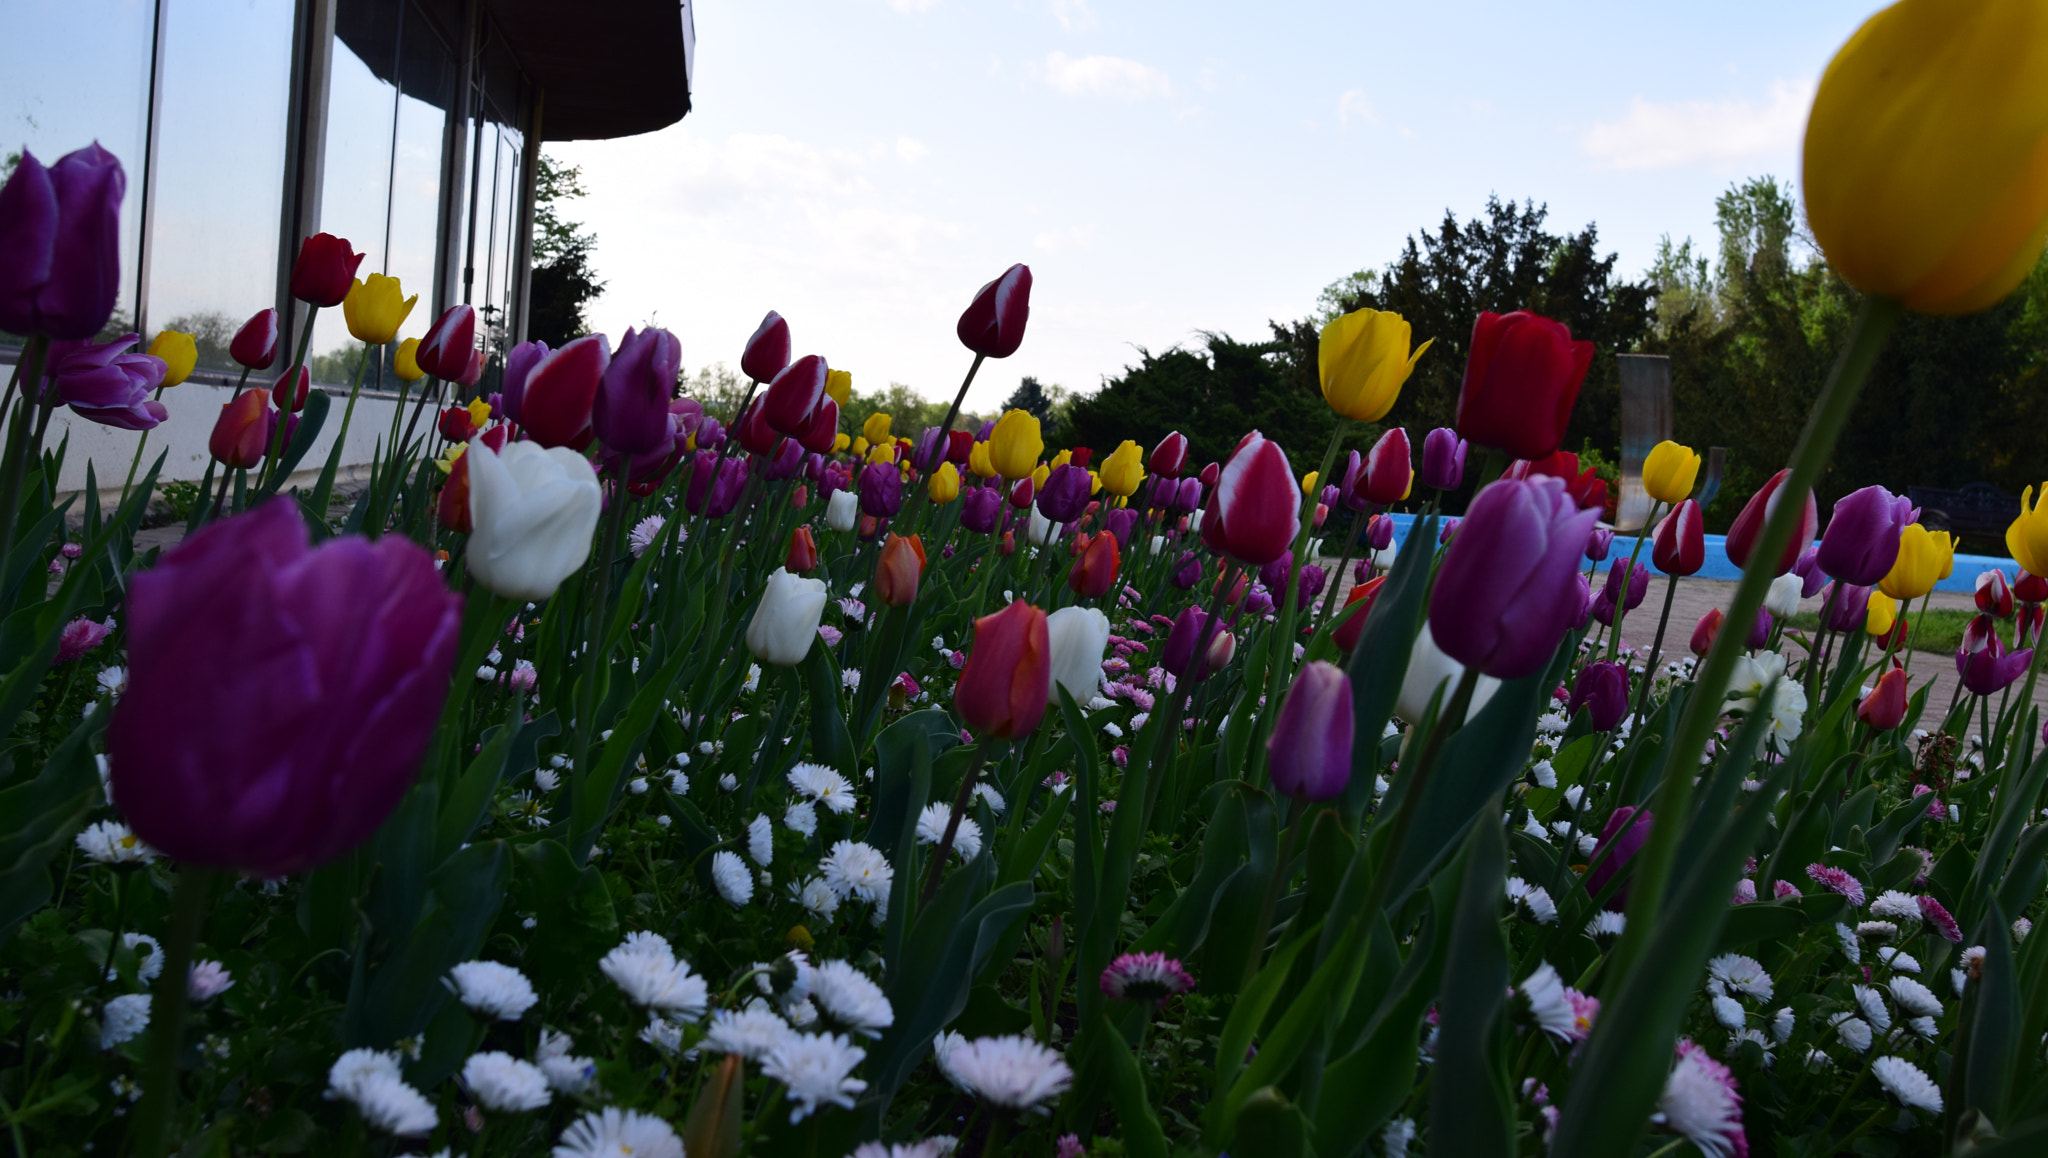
x=1627, y=830
x=60, y=244
x=1253, y=514
x=255, y=344
x=1309, y=752
x=1443, y=459
x=1862, y=539
x=767, y=349
x=1748, y=526
x=561, y=389
x=1508, y=586
x=1983, y=662
x=450, y=342
x=1602, y=690
x=1388, y=470
x=630, y=412
x=792, y=398
x=993, y=324
x=102, y=383
x=1680, y=547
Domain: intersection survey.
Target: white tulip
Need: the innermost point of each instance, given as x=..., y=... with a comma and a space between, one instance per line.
x=1195, y=521
x=842, y=510
x=1078, y=637
x=1158, y=543
x=1783, y=598
x=1428, y=669
x=1042, y=530
x=786, y=620
x=533, y=511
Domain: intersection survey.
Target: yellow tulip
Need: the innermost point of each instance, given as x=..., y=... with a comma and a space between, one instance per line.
x=1363, y=359
x=405, y=363
x=979, y=462
x=2027, y=538
x=876, y=428
x=1669, y=472
x=1094, y=484
x=882, y=452
x=1881, y=615
x=1124, y=469
x=839, y=386
x=1922, y=556
x=179, y=352
x=945, y=484
x=1308, y=482
x=375, y=307
x=841, y=441
x=1062, y=458
x=1015, y=444
x=479, y=413
x=1926, y=159
x=446, y=463
x=860, y=446
x=1039, y=476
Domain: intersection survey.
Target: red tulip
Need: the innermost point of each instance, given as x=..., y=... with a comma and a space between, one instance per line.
x=1008, y=546
x=1351, y=623
x=1253, y=514
x=1748, y=526
x=1522, y=378
x=753, y=430
x=1387, y=472
x=803, y=552
x=959, y=446
x=1994, y=594
x=1210, y=474
x=561, y=389
x=447, y=349
x=1080, y=456
x=1885, y=707
x=1095, y=572
x=767, y=350
x=1703, y=633
x=242, y=432
x=455, y=424
x=2030, y=588
x=255, y=344
x=453, y=508
x=1008, y=675
x=898, y=569
x=285, y=397
x=1023, y=493
x=792, y=398
x=1170, y=455
x=1681, y=546
x=822, y=430
x=325, y=270
x=993, y=325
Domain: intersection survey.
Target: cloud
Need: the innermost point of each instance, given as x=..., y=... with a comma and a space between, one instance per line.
x=910, y=150
x=1661, y=136
x=1073, y=15
x=909, y=6
x=1104, y=76
x=1055, y=240
x=1354, y=105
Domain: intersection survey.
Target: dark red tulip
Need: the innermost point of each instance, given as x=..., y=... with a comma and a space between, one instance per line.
x=2030, y=588
x=450, y=344
x=993, y=325
x=822, y=431
x=753, y=431
x=452, y=508
x=290, y=390
x=959, y=447
x=793, y=396
x=1094, y=573
x=1885, y=707
x=255, y=344
x=803, y=552
x=1210, y=474
x=1522, y=378
x=1170, y=455
x=455, y=424
x=1253, y=514
x=560, y=390
x=1680, y=547
x=1748, y=526
x=767, y=349
x=325, y=270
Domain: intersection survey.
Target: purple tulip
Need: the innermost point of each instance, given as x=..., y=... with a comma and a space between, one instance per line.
x=1257, y=602
x=1847, y=607
x=1983, y=662
x=980, y=507
x=519, y=362
x=715, y=500
x=767, y=350
x=1443, y=537
x=1638, y=582
x=1188, y=633
x=1508, y=584
x=1443, y=459
x=710, y=433
x=1603, y=691
x=1862, y=539
x=1188, y=571
x=881, y=491
x=1120, y=522
x=1309, y=752
x=60, y=244
x=784, y=463
x=1352, y=495
x=1312, y=580
x=1599, y=541
x=1274, y=574
x=1064, y=497
x=1760, y=631
x=1188, y=499
x=929, y=453
x=327, y=670
x=100, y=382
x=1582, y=604
x=1627, y=830
x=1361, y=571
x=631, y=410
x=1379, y=532
x=1811, y=578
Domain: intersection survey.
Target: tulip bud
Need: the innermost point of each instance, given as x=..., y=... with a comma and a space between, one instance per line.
x=255, y=344
x=1124, y=469
x=1443, y=459
x=1602, y=689
x=1221, y=650
x=1351, y=619
x=993, y=323
x=1599, y=541
x=629, y=412
x=767, y=349
x=785, y=622
x=1760, y=630
x=560, y=390
x=1211, y=475
x=944, y=485
x=2030, y=588
x=960, y=446
x=1322, y=513
x=1021, y=494
x=803, y=552
x=2026, y=627
x=793, y=397
x=1078, y=637
x=1065, y=494
x=1252, y=514
x=290, y=391
x=1312, y=578
x=1004, y=686
x=1669, y=472
x=1626, y=832
x=1170, y=455
x=841, y=510
x=1187, y=571
x=881, y=492
x=446, y=350
x=1982, y=661
x=1120, y=523
x=325, y=270
x=1016, y=444
x=1782, y=599
x=1309, y=752
x=715, y=486
x=1862, y=539
x=1748, y=526
x=1994, y=594
x=242, y=432
x=405, y=361
x=532, y=511
x=451, y=510
x=783, y=464
x=898, y=569
x=1522, y=377
x=1387, y=476
x=1095, y=572
x=1703, y=633
x=1680, y=547
x=375, y=307
x=179, y=354
x=1507, y=585
x=60, y=244
x=1881, y=614
x=1008, y=546
x=1848, y=607
x=1885, y=707
x=1362, y=360
x=454, y=424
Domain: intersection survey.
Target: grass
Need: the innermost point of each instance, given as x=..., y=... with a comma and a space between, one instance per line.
x=1941, y=630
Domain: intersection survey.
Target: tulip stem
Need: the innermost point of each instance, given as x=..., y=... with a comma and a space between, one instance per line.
x=137, y=460
x=1628, y=576
x=960, y=800
x=1656, y=647
x=1351, y=535
x=1816, y=660
x=1703, y=707
x=167, y=1009
x=1918, y=621
x=938, y=451
x=1281, y=873
x=594, y=647
x=29, y=370
x=291, y=395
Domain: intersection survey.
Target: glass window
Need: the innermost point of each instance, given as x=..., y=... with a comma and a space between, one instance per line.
x=76, y=71
x=220, y=168
x=355, y=183
x=427, y=89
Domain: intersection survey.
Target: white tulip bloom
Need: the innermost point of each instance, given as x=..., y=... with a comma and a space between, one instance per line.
x=842, y=510
x=1429, y=667
x=786, y=620
x=533, y=511
x=1078, y=637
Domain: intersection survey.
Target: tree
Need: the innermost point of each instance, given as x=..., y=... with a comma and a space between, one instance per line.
x=1051, y=405
x=563, y=281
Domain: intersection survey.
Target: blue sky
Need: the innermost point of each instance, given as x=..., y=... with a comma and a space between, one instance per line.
x=1164, y=168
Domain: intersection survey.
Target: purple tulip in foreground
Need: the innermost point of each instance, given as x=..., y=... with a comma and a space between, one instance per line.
x=1508, y=587
x=1862, y=539
x=324, y=673
x=60, y=244
x=1309, y=752
x=630, y=412
x=1603, y=691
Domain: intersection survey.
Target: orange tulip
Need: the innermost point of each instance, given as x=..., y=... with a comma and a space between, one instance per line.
x=803, y=552
x=1095, y=572
x=242, y=432
x=1008, y=677
x=898, y=570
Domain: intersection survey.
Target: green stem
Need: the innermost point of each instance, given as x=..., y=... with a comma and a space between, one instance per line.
x=1628, y=579
x=167, y=1011
x=1656, y=650
x=135, y=462
x=30, y=371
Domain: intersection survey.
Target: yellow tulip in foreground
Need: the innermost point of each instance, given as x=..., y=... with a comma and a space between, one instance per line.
x=1882, y=613
x=1669, y=472
x=876, y=428
x=1926, y=162
x=945, y=484
x=405, y=363
x=2027, y=538
x=180, y=354
x=375, y=307
x=1124, y=469
x=1923, y=558
x=1015, y=444
x=839, y=386
x=1363, y=359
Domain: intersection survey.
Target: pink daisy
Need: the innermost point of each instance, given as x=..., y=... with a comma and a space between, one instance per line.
x=1939, y=920
x=1145, y=977
x=1835, y=880
x=1701, y=1103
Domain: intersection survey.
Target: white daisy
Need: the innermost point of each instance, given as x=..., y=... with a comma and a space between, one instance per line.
x=664, y=1035
x=1899, y=959
x=566, y=1073
x=111, y=842
x=816, y=1069
x=499, y=1081
x=614, y=1133
x=113, y=681
x=1916, y=999
x=752, y=1033
x=1893, y=905
x=818, y=898
x=492, y=989
x=730, y=874
x=802, y=817
x=1606, y=924
x=931, y=829
x=149, y=957
x=1010, y=1071
x=1908, y=1083
x=989, y=796
x=854, y=869
x=761, y=839
x=645, y=968
x=1548, y=1003
x=388, y=1104
x=1875, y=1011
x=1744, y=975
x=822, y=784
x=1851, y=1031
x=851, y=999
x=1728, y=1012
x=123, y=1018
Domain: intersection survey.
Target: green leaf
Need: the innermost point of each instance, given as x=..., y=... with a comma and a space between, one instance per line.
x=403, y=992
x=1181, y=929
x=1380, y=661
x=1471, y=1111
x=1141, y=1133
x=1269, y=1124
x=1249, y=1012
x=1761, y=921
x=1992, y=1055
x=574, y=921
x=43, y=815
x=311, y=419
x=595, y=793
x=831, y=742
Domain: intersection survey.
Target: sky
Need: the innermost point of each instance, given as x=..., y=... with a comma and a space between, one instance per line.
x=1164, y=168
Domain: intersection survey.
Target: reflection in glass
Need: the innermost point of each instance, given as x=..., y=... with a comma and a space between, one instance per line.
x=355, y=186
x=220, y=168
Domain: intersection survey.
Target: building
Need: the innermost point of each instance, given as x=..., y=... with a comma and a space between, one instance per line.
x=406, y=126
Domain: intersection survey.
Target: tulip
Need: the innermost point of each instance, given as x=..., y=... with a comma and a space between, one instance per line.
x=1065, y=494
x=715, y=485
x=1252, y=514
x=1748, y=526
x=993, y=324
x=1311, y=582
x=1387, y=476
x=960, y=446
x=1599, y=541
x=325, y=270
x=255, y=344
x=784, y=463
x=451, y=510
x=1885, y=707
x=445, y=351
x=1095, y=572
x=881, y=492
x=291, y=389
x=841, y=510
x=1760, y=630
x=561, y=389
x=375, y=307
x=1190, y=628
x=1021, y=494
x=1221, y=649
x=1308, y=482
x=1782, y=600
x=1983, y=662
x=1351, y=623
x=455, y=425
x=981, y=509
x=1703, y=633
x=630, y=412
x=785, y=622
x=1994, y=594
x=1120, y=523
x=1624, y=835
x=519, y=365
x=405, y=360
x=767, y=350
x=1170, y=455
x=1379, y=533
x=1880, y=615
x=1602, y=689
x=898, y=569
x=793, y=397
x=1922, y=166
x=1848, y=607
x=100, y=382
x=2030, y=588
x=60, y=244
x=1007, y=679
x=803, y=552
x=1811, y=577
x=1669, y=471
x=1506, y=587
x=1924, y=556
x=1124, y=469
x=876, y=428
x=2027, y=539
x=532, y=511
x=2026, y=626
x=944, y=486
x=1362, y=360
x=1077, y=637
x=1625, y=580
x=1522, y=377
x=242, y=432
x=1582, y=604
x=1309, y=752
x=1015, y=446
x=1187, y=570
x=345, y=648
x=1275, y=574
x=1429, y=669
x=178, y=352
x=1443, y=459
x=1862, y=539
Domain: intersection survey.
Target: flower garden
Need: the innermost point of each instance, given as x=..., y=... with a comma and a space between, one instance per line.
x=612, y=776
